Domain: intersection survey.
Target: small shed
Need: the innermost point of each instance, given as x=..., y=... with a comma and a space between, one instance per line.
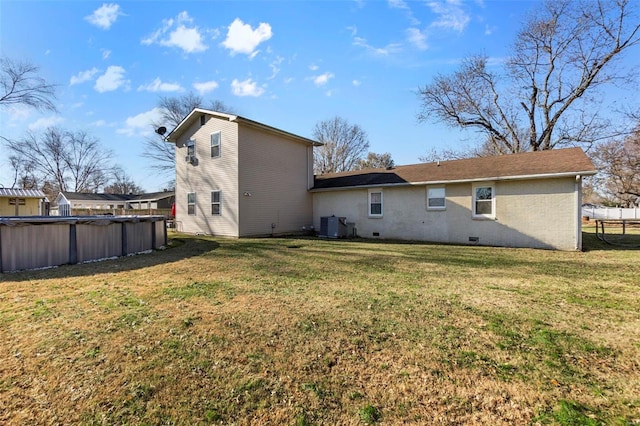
x=22, y=202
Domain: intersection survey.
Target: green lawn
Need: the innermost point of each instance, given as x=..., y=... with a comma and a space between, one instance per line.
x=311, y=331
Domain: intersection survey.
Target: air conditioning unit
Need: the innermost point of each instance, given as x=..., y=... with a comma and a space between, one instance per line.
x=333, y=227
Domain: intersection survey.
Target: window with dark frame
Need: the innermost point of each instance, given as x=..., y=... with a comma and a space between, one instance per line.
x=216, y=203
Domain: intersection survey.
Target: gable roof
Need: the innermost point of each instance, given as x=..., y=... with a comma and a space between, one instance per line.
x=196, y=113
x=528, y=165
x=22, y=193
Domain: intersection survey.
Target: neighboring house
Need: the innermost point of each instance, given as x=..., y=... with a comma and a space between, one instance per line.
x=67, y=202
x=236, y=177
x=521, y=200
x=22, y=202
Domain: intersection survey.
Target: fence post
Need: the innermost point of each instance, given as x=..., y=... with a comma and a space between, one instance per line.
x=73, y=244
x=153, y=234
x=1, y=270
x=124, y=238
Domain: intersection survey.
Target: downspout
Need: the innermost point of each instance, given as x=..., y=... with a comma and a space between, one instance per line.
x=578, y=204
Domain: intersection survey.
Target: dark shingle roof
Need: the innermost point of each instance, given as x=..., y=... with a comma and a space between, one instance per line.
x=559, y=162
x=154, y=196
x=89, y=196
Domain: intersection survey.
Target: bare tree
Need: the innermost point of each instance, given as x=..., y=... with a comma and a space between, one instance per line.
x=174, y=110
x=618, y=162
x=376, y=161
x=64, y=160
x=564, y=53
x=121, y=183
x=344, y=146
x=20, y=84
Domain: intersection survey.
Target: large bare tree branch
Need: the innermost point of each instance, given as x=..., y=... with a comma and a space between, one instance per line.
x=344, y=146
x=548, y=95
x=20, y=84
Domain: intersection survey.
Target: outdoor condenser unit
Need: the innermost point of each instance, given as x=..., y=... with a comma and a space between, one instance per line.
x=333, y=227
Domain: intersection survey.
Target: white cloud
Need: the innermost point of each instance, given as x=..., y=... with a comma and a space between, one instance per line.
x=417, y=38
x=356, y=83
x=99, y=123
x=111, y=80
x=105, y=16
x=105, y=53
x=401, y=4
x=141, y=124
x=488, y=30
x=45, y=122
x=178, y=32
x=205, y=87
x=313, y=67
x=158, y=86
x=376, y=51
x=83, y=76
x=322, y=79
x=275, y=67
x=247, y=87
x=242, y=39
x=451, y=15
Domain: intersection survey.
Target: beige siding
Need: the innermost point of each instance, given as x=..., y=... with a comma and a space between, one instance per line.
x=274, y=180
x=31, y=207
x=207, y=175
x=529, y=213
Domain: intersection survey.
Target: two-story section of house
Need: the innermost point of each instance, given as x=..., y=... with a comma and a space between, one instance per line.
x=236, y=177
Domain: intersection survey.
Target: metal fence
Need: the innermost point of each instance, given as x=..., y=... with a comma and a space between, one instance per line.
x=41, y=242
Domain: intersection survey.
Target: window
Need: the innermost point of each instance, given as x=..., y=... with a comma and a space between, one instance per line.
x=215, y=144
x=216, y=202
x=375, y=203
x=484, y=201
x=191, y=148
x=191, y=203
x=436, y=198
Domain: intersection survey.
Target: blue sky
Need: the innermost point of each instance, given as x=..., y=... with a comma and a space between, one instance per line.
x=288, y=64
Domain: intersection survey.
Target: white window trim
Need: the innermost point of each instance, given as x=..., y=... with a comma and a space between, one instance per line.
x=219, y=202
x=219, y=143
x=491, y=185
x=191, y=143
x=375, y=191
x=195, y=202
x=443, y=207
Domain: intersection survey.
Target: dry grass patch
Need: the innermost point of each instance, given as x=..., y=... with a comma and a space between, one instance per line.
x=307, y=331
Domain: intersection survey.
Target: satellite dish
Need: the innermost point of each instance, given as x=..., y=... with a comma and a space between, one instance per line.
x=161, y=130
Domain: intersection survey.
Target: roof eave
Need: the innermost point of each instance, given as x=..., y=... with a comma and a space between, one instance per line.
x=177, y=131
x=453, y=181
